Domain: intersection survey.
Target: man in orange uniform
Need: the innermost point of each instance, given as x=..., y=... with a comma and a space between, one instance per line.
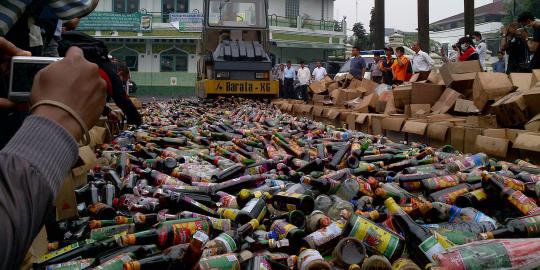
x=400, y=66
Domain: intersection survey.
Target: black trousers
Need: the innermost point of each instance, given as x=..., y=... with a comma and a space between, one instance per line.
x=289, y=88
x=281, y=89
x=303, y=92
x=535, y=62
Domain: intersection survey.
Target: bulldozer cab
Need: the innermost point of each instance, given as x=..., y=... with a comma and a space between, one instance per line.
x=234, y=49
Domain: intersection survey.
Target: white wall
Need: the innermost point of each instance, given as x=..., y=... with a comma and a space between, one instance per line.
x=312, y=8
x=451, y=36
x=104, y=5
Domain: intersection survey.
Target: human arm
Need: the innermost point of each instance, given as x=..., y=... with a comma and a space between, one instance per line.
x=34, y=162
x=429, y=60
x=120, y=97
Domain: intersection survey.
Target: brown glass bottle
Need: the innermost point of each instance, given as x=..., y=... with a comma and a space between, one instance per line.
x=285, y=201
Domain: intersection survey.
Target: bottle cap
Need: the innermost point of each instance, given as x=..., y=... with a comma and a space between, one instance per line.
x=244, y=194
x=133, y=265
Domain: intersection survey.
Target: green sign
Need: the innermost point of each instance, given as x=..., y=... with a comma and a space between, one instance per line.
x=110, y=21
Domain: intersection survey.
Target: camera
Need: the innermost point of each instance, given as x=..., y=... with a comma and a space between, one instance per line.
x=23, y=71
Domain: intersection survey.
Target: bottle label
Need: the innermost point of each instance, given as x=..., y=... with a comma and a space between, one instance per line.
x=441, y=182
x=262, y=214
x=227, y=241
x=533, y=225
x=220, y=224
x=450, y=198
x=229, y=213
x=525, y=204
x=431, y=247
x=479, y=194
x=107, y=232
x=308, y=256
x=222, y=262
x=117, y=263
x=180, y=236
x=282, y=228
x=494, y=256
x=72, y=265
x=377, y=238
x=194, y=226
x=324, y=235
x=58, y=252
x=250, y=205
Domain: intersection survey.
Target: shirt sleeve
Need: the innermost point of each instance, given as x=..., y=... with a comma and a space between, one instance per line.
x=32, y=167
x=429, y=60
x=69, y=9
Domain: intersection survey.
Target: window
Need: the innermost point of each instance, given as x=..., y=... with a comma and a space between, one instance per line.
x=292, y=8
x=237, y=13
x=174, y=60
x=125, y=6
x=130, y=56
x=173, y=6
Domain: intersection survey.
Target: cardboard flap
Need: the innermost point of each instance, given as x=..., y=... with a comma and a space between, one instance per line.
x=317, y=110
x=415, y=127
x=490, y=86
x=87, y=161
x=393, y=123
x=426, y=93
x=495, y=133
x=333, y=114
x=522, y=81
x=437, y=132
x=446, y=101
x=528, y=141
x=533, y=124
x=449, y=71
x=532, y=100
x=317, y=87
x=492, y=146
x=355, y=83
x=535, y=119
x=465, y=106
x=361, y=118
x=369, y=85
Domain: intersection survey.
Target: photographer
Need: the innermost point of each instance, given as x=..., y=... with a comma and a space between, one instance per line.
x=35, y=161
x=467, y=52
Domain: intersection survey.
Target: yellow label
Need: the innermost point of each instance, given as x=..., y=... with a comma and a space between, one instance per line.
x=479, y=194
x=229, y=213
x=241, y=87
x=372, y=235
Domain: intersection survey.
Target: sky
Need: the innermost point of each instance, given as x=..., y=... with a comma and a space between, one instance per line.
x=400, y=14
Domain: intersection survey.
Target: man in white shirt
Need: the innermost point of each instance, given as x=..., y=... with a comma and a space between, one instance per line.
x=481, y=49
x=319, y=73
x=422, y=62
x=304, y=76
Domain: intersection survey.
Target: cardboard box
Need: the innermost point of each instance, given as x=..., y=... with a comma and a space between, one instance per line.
x=65, y=202
x=318, y=99
x=465, y=106
x=392, y=128
x=333, y=86
x=332, y=117
x=353, y=93
x=316, y=112
x=535, y=78
x=37, y=249
x=511, y=110
x=351, y=120
x=469, y=141
x=390, y=107
x=482, y=121
x=420, y=110
x=457, y=137
x=437, y=134
x=426, y=93
x=317, y=87
x=490, y=86
x=435, y=78
x=376, y=123
x=492, y=146
x=415, y=131
x=98, y=136
x=460, y=75
x=532, y=100
x=402, y=96
x=522, y=81
x=495, y=133
x=355, y=83
x=305, y=110
x=369, y=85
x=533, y=124
x=528, y=146
x=446, y=101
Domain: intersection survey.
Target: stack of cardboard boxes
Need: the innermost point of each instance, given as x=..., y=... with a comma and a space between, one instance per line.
x=460, y=105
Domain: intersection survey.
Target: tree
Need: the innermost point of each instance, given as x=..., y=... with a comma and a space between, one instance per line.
x=532, y=6
x=362, y=38
x=372, y=26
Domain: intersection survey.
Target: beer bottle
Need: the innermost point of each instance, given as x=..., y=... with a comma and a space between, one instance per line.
x=336, y=160
x=311, y=259
x=182, y=202
x=401, y=165
x=422, y=244
x=254, y=209
x=522, y=227
x=217, y=224
x=465, y=226
x=101, y=211
x=286, y=230
x=449, y=195
x=176, y=257
x=377, y=239
x=314, y=165
x=229, y=173
x=520, y=202
x=230, y=241
x=325, y=239
x=441, y=182
x=324, y=185
x=476, y=198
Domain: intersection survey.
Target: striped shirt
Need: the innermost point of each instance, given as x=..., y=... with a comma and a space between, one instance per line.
x=11, y=10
